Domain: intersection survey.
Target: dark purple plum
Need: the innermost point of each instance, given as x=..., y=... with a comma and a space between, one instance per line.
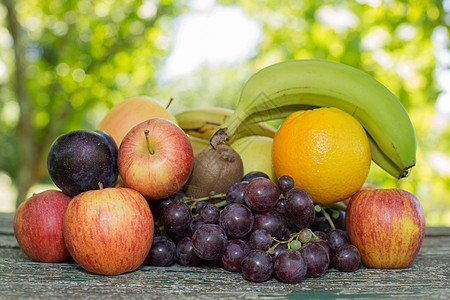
x=81, y=160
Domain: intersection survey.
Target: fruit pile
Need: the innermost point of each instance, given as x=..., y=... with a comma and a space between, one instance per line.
x=261, y=228
x=149, y=188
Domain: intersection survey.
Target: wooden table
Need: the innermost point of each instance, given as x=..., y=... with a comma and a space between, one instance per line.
x=20, y=278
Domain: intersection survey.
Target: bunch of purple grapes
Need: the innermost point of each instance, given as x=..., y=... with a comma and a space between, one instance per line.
x=261, y=228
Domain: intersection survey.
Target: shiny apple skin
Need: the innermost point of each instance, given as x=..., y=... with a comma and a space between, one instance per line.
x=163, y=169
x=38, y=226
x=109, y=231
x=387, y=226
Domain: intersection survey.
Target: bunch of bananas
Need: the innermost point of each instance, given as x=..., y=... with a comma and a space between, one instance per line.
x=283, y=88
x=201, y=123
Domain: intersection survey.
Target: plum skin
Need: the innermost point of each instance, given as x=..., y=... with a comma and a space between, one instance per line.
x=80, y=160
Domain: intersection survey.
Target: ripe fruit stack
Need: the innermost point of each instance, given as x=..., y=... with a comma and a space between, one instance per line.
x=262, y=226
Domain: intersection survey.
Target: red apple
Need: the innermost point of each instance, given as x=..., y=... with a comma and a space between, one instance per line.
x=387, y=226
x=155, y=158
x=38, y=226
x=109, y=231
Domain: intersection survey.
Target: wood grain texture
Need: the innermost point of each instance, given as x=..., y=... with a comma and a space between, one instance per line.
x=21, y=278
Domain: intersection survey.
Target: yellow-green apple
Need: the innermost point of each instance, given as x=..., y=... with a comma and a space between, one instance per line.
x=387, y=226
x=122, y=117
x=38, y=226
x=256, y=154
x=155, y=158
x=109, y=231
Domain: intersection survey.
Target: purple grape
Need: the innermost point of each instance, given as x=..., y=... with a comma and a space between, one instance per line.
x=237, y=220
x=209, y=241
x=185, y=253
x=327, y=248
x=176, y=216
x=339, y=222
x=178, y=196
x=285, y=183
x=337, y=238
x=195, y=224
x=321, y=224
x=273, y=222
x=199, y=205
x=289, y=266
x=176, y=236
x=261, y=194
x=157, y=230
x=162, y=252
x=234, y=254
x=299, y=209
x=316, y=258
x=321, y=235
x=254, y=174
x=281, y=206
x=279, y=248
x=210, y=214
x=260, y=239
x=163, y=204
x=235, y=193
x=347, y=258
x=257, y=266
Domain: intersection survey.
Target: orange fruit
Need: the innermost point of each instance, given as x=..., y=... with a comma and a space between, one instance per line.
x=325, y=150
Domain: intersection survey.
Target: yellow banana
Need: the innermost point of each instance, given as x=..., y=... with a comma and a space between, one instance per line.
x=203, y=122
x=198, y=144
x=283, y=88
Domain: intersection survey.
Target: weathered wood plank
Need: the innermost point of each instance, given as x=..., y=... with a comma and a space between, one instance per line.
x=22, y=278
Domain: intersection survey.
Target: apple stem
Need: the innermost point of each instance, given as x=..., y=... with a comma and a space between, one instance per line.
x=150, y=149
x=170, y=102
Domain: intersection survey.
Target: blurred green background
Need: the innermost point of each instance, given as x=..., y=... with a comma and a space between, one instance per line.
x=63, y=64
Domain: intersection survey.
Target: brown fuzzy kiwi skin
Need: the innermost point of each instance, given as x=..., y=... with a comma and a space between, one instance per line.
x=215, y=170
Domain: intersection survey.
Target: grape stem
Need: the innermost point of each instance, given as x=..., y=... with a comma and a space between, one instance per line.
x=337, y=205
x=192, y=201
x=211, y=197
x=328, y=218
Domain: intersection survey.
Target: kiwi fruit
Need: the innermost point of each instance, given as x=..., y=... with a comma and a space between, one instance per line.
x=215, y=170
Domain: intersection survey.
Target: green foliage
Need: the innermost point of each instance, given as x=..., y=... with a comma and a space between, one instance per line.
x=84, y=56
